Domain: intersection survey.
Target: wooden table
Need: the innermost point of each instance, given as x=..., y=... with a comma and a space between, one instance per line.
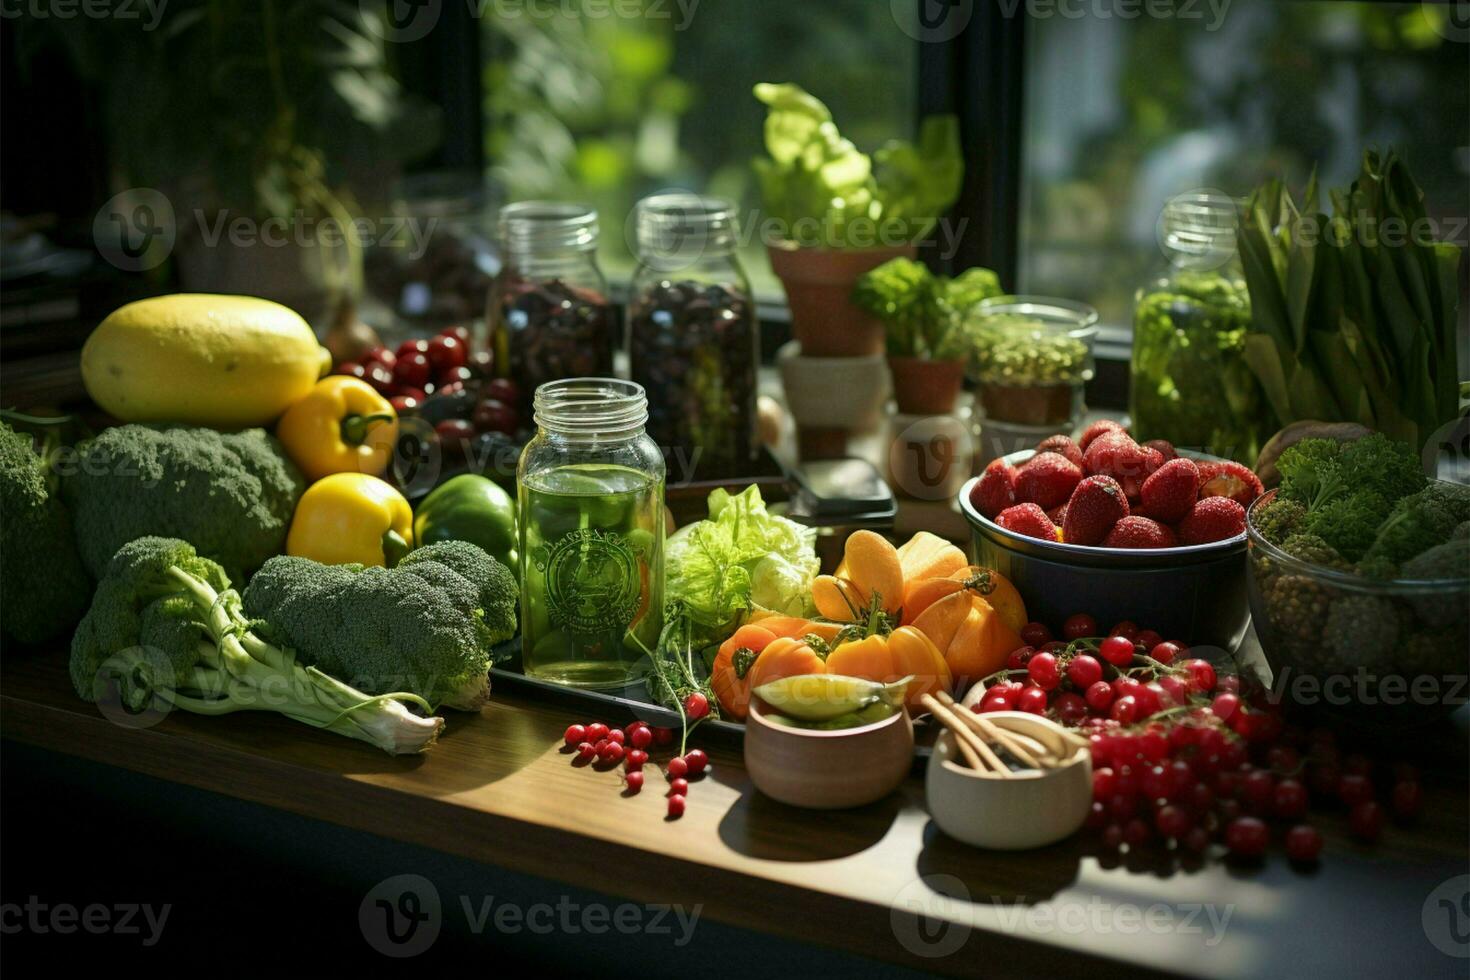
x=499, y=789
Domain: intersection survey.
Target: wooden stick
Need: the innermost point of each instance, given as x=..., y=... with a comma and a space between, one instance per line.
x=1008, y=740
x=973, y=747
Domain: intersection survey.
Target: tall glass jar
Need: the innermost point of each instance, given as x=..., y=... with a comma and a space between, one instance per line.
x=549, y=313
x=591, y=493
x=693, y=340
x=1190, y=383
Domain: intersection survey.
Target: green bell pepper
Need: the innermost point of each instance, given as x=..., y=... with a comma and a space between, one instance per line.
x=470, y=508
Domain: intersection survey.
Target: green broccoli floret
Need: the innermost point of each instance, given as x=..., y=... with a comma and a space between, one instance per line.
x=1415, y=525
x=427, y=626
x=1311, y=548
x=1377, y=463
x=1279, y=519
x=1450, y=560
x=165, y=631
x=1349, y=523
x=230, y=494
x=1362, y=630
x=1309, y=470
x=43, y=588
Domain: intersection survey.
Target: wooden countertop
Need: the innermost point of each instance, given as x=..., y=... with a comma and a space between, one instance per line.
x=499, y=789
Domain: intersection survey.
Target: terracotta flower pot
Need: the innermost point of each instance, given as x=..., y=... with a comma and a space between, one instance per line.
x=818, y=283
x=925, y=387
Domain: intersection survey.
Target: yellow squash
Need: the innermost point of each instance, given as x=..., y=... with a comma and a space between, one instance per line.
x=230, y=362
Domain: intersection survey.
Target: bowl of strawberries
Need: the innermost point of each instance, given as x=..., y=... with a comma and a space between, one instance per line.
x=1122, y=528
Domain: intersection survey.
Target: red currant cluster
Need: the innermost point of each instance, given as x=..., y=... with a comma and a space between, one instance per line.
x=596, y=744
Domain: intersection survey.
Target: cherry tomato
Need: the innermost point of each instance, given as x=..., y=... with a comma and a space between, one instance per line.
x=1079, y=626
x=459, y=333
x=451, y=375
x=502, y=389
x=404, y=404
x=454, y=435
x=351, y=370
x=413, y=345
x=380, y=354
x=445, y=352
x=380, y=378
x=412, y=369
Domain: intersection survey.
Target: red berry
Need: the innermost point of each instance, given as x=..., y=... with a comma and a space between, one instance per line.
x=1225, y=706
x=1303, y=843
x=1168, y=651
x=1257, y=788
x=1078, y=626
x=1096, y=505
x=640, y=737
x=1097, y=816
x=1282, y=758
x=696, y=761
x=381, y=378
x=575, y=735
x=586, y=751
x=1125, y=710
x=1228, y=478
x=1084, y=671
x=1047, y=479
x=1139, y=532
x=663, y=736
x=1028, y=520
x=1117, y=650
x=496, y=416
x=616, y=735
x=1354, y=788
x=1201, y=675
x=1099, y=696
x=1043, y=671
x=1170, y=492
x=1212, y=519
x=413, y=345
x=502, y=390
x=1197, y=840
x=1366, y=820
x=676, y=805
x=404, y=404
x=996, y=489
x=678, y=767
x=1148, y=639
x=678, y=786
x=696, y=706
x=635, y=759
x=611, y=751
x=1408, y=798
x=1290, y=799
x=1112, y=836
x=634, y=779
x=1070, y=708
x=1018, y=657
x=1173, y=821
x=351, y=370
x=1096, y=429
x=596, y=731
x=413, y=369
x=1036, y=634
x=1174, y=689
x=1033, y=700
x=1246, y=836
x=446, y=352
x=1136, y=832
x=1116, y=455
x=1061, y=445
x=1104, y=783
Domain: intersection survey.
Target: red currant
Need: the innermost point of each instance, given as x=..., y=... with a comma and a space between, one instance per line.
x=1036, y=634
x=1084, y=671
x=1070, y=708
x=1148, y=639
x=1246, y=836
x=1201, y=675
x=676, y=805
x=636, y=759
x=1225, y=706
x=616, y=735
x=576, y=735
x=696, y=706
x=640, y=738
x=1079, y=626
x=678, y=786
x=1303, y=843
x=1175, y=691
x=1290, y=799
x=1043, y=671
x=1125, y=710
x=634, y=779
x=1018, y=657
x=1366, y=820
x=1408, y=798
x=1099, y=696
x=1117, y=651
x=1127, y=629
x=1196, y=840
x=1173, y=821
x=611, y=752
x=678, y=767
x=596, y=732
x=1354, y=789
x=696, y=761
x=586, y=751
x=1136, y=832
x=1033, y=700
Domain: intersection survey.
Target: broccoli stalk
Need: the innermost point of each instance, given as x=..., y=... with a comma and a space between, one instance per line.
x=166, y=627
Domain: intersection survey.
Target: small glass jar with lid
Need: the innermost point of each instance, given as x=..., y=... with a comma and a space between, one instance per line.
x=550, y=317
x=1189, y=381
x=1031, y=357
x=693, y=337
x=590, y=488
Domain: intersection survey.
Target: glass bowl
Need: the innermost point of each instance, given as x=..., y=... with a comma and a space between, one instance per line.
x=1030, y=357
x=1391, y=654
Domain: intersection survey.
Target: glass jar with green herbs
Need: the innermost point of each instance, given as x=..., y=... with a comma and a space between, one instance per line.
x=1190, y=383
x=1031, y=357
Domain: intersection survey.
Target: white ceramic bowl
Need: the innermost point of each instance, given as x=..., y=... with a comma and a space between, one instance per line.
x=833, y=392
x=1032, y=808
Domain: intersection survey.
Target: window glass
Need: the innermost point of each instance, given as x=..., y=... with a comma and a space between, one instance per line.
x=586, y=102
x=1122, y=113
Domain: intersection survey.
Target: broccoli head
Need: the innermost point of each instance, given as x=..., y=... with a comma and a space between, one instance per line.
x=1362, y=631
x=1350, y=522
x=427, y=626
x=1278, y=519
x=230, y=494
x=43, y=587
x=1450, y=560
x=1311, y=548
x=1415, y=525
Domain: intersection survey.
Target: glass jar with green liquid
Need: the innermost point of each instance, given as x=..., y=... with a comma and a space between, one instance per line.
x=591, y=494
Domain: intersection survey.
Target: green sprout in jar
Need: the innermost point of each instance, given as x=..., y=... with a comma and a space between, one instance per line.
x=1014, y=349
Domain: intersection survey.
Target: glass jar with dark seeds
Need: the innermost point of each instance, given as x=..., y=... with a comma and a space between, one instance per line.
x=693, y=337
x=550, y=318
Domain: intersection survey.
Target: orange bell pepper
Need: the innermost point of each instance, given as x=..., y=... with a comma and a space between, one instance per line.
x=784, y=657
x=986, y=583
x=730, y=675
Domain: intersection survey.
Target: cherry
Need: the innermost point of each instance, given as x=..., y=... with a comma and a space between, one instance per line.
x=1225, y=706
x=1036, y=634
x=1303, y=843
x=678, y=767
x=1155, y=783
x=1173, y=821
x=1084, y=671
x=1136, y=832
x=1104, y=783
x=634, y=780
x=596, y=731
x=1148, y=639
x=1079, y=626
x=1033, y=700
x=1246, y=836
x=404, y=404
x=640, y=737
x=1005, y=694
x=413, y=345
x=352, y=371
x=381, y=378
x=1127, y=629
x=380, y=354
x=1070, y=708
x=1201, y=675
x=586, y=751
x=1290, y=799
x=676, y=805
x=1117, y=651
x=678, y=786
x=1125, y=710
x=696, y=706
x=1017, y=658
x=1167, y=652
x=576, y=734
x=696, y=761
x=1099, y=696
x=413, y=369
x=492, y=415
x=446, y=352
x=458, y=332
x=1197, y=840
x=635, y=759
x=1408, y=798
x=1174, y=690
x=1354, y=789
x=502, y=390
x=616, y=735
x=611, y=751
x=1043, y=671
x=1283, y=758
x=1366, y=820
x=1257, y=788
x=1112, y=836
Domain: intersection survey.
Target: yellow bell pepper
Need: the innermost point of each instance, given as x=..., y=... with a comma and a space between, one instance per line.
x=351, y=517
x=904, y=652
x=341, y=426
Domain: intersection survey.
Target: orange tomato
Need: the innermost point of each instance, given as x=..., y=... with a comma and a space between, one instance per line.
x=784, y=657
x=727, y=679
x=902, y=653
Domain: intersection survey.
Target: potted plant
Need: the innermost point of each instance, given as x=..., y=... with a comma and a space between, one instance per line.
x=1031, y=357
x=842, y=213
x=922, y=316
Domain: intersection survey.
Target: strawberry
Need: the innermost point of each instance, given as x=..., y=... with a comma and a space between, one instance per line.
x=996, y=490
x=1212, y=519
x=1114, y=454
x=1164, y=446
x=1229, y=479
x=1139, y=532
x=1096, y=429
x=1170, y=492
x=1058, y=515
x=1096, y=505
x=1133, y=482
x=1028, y=519
x=1062, y=446
x=1047, y=480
